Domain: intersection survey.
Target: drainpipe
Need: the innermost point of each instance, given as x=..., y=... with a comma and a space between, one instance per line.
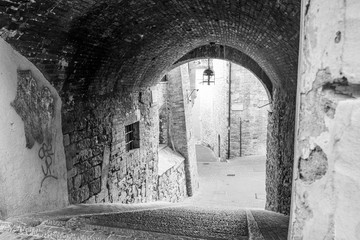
x=229, y=118
x=240, y=136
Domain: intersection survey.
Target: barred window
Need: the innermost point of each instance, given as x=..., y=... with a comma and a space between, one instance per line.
x=132, y=136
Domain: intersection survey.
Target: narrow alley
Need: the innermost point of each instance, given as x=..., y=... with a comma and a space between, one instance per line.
x=229, y=205
x=179, y=119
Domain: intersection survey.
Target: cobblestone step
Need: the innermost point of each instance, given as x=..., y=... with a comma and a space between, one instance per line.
x=12, y=231
x=177, y=223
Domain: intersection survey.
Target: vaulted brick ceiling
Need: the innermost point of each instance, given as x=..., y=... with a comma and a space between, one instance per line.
x=108, y=43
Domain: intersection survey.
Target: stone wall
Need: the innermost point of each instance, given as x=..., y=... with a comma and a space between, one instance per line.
x=326, y=188
x=247, y=95
x=161, y=96
x=280, y=152
x=180, y=125
x=99, y=167
x=32, y=172
x=172, y=184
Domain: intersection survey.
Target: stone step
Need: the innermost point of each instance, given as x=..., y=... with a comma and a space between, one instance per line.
x=65, y=230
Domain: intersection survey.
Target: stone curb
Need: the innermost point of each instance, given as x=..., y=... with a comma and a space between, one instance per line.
x=253, y=228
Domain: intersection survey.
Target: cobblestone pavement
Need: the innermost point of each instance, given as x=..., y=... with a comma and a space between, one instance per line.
x=199, y=222
x=216, y=212
x=10, y=236
x=87, y=209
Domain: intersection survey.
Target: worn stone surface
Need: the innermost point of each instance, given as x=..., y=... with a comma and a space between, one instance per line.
x=97, y=149
x=280, y=152
x=314, y=167
x=36, y=107
x=172, y=184
x=326, y=179
x=201, y=222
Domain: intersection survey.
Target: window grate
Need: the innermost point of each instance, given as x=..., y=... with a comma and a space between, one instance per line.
x=132, y=136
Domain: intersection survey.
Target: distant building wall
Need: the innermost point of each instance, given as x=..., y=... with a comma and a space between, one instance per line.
x=211, y=110
x=210, y=107
x=248, y=118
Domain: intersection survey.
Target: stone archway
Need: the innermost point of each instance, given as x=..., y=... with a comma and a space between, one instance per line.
x=103, y=56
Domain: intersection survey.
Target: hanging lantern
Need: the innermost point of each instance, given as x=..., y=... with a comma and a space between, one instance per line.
x=208, y=75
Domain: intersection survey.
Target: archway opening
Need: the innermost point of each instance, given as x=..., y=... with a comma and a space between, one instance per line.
x=228, y=123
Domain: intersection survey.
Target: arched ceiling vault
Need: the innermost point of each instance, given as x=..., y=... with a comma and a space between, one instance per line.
x=98, y=45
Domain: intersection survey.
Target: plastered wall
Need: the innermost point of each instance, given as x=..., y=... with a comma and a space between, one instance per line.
x=33, y=172
x=210, y=106
x=326, y=190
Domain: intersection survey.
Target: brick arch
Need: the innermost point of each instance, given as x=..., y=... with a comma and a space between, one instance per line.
x=230, y=54
x=95, y=47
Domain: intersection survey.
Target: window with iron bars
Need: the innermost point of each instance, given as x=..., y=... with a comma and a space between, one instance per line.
x=132, y=136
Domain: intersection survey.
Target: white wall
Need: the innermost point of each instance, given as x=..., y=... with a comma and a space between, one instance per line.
x=210, y=107
x=21, y=168
x=326, y=189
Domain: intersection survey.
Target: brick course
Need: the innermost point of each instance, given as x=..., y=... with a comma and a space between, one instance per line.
x=93, y=46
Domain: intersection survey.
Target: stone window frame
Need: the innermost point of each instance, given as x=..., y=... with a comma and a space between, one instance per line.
x=132, y=136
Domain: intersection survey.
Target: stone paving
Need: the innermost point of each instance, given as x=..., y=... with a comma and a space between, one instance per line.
x=204, y=154
x=198, y=222
x=239, y=182
x=10, y=235
x=228, y=206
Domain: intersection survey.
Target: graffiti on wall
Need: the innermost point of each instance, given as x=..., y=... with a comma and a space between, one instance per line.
x=46, y=154
x=35, y=104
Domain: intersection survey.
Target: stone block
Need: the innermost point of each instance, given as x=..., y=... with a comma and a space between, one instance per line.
x=96, y=160
x=70, y=153
x=84, y=155
x=88, y=176
x=91, y=200
x=70, y=184
x=75, y=196
x=66, y=140
x=71, y=173
x=83, y=144
x=83, y=166
x=84, y=193
x=68, y=123
x=97, y=171
x=95, y=186
x=77, y=181
x=98, y=150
